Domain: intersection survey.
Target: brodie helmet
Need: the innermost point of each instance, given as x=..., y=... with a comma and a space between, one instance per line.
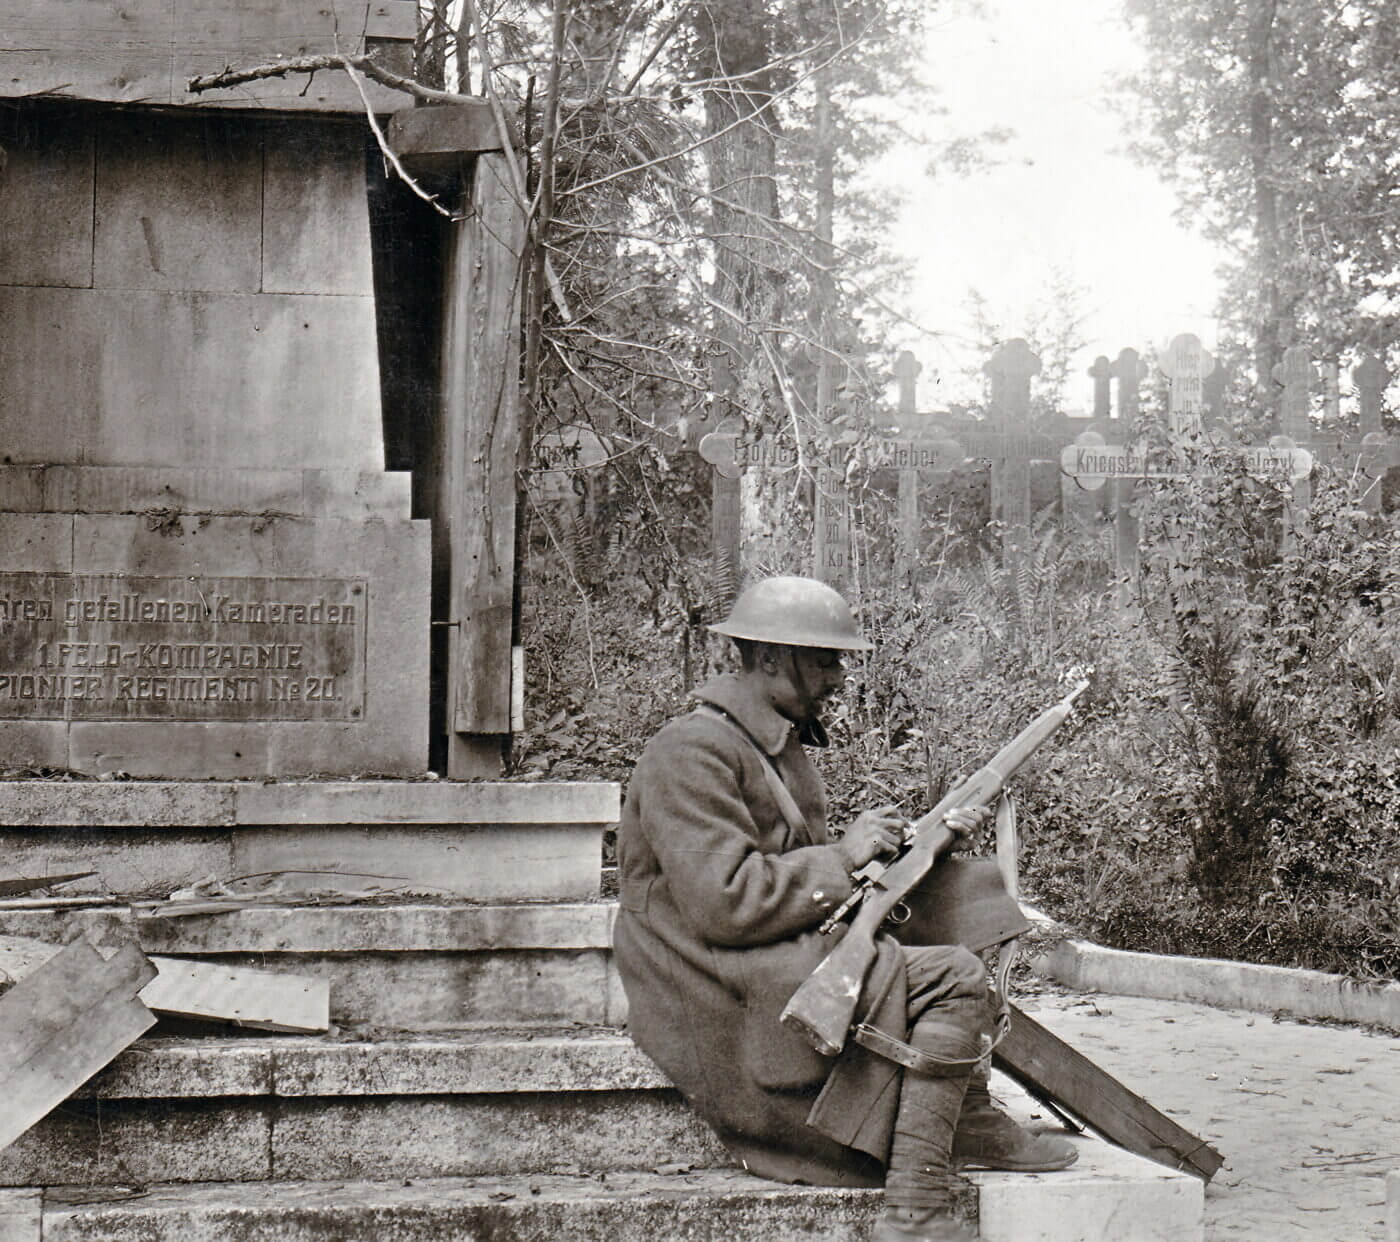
x=796, y=612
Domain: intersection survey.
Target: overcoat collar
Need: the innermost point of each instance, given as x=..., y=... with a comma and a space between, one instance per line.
x=739, y=697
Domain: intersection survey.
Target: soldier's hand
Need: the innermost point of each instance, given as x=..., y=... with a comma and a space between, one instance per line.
x=963, y=821
x=874, y=832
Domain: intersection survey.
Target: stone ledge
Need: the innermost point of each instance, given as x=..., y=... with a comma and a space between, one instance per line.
x=238, y=804
x=214, y=491
x=1222, y=983
x=465, y=1063
x=275, y=928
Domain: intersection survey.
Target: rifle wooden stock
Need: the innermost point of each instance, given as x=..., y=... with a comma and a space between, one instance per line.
x=824, y=1005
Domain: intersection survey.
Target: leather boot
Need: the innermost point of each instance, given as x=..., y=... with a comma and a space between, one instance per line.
x=987, y=1138
x=920, y=1179
x=914, y=1225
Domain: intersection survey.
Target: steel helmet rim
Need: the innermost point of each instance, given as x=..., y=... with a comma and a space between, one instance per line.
x=794, y=612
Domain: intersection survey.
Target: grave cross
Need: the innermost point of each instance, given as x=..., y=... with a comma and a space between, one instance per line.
x=1011, y=368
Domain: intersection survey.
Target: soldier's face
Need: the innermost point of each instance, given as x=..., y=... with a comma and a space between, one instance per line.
x=804, y=678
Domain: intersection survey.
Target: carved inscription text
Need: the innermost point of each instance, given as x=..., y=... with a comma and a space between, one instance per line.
x=118, y=647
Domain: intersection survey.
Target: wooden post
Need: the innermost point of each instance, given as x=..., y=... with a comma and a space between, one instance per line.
x=1101, y=373
x=831, y=514
x=1010, y=369
x=1298, y=376
x=1186, y=364
x=906, y=372
x=479, y=432
x=1374, y=452
x=1129, y=370
x=1213, y=399
x=1080, y=506
x=726, y=521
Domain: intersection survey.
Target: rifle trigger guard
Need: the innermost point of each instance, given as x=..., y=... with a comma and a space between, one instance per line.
x=899, y=913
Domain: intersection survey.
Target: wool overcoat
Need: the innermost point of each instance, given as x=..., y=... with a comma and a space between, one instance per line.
x=719, y=907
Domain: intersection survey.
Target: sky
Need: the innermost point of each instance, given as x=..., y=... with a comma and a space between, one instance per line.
x=1063, y=197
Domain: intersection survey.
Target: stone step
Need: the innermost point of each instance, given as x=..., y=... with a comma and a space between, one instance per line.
x=713, y=1206
x=475, y=1103
x=486, y=840
x=409, y=966
x=1107, y=1198
x=563, y=1105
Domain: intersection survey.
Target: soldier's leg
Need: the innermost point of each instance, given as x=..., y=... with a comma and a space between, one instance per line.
x=947, y=1011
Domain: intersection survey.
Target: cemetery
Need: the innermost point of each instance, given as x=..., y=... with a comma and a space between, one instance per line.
x=384, y=427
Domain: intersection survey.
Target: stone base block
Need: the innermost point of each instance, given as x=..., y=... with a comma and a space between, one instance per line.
x=197, y=645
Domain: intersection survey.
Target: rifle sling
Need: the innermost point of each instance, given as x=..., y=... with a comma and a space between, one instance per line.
x=915, y=1059
x=787, y=804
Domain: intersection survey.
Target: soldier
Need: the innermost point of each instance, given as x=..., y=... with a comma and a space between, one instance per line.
x=727, y=868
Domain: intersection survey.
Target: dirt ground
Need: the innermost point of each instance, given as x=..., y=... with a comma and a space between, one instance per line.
x=1306, y=1115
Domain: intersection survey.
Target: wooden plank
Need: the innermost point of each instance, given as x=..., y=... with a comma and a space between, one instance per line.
x=260, y=999
x=481, y=426
x=315, y=214
x=1049, y=1068
x=144, y=51
x=64, y=1022
x=27, y=884
x=113, y=50
x=438, y=138
x=178, y=203
x=46, y=189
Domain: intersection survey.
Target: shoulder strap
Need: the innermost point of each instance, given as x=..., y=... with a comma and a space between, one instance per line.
x=787, y=804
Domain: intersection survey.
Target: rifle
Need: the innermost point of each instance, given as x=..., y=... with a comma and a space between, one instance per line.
x=824, y=1006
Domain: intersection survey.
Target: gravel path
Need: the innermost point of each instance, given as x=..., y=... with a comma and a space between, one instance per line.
x=1307, y=1116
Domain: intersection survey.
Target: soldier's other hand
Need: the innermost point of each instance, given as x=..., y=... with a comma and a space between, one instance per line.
x=963, y=821
x=874, y=832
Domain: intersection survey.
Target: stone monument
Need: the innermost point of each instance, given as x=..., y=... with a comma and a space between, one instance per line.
x=205, y=570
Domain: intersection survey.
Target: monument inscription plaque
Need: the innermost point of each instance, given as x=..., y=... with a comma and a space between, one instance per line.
x=127, y=647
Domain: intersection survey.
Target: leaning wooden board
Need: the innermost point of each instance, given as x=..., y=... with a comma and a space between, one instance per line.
x=62, y=1023
x=262, y=999
x=1050, y=1069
